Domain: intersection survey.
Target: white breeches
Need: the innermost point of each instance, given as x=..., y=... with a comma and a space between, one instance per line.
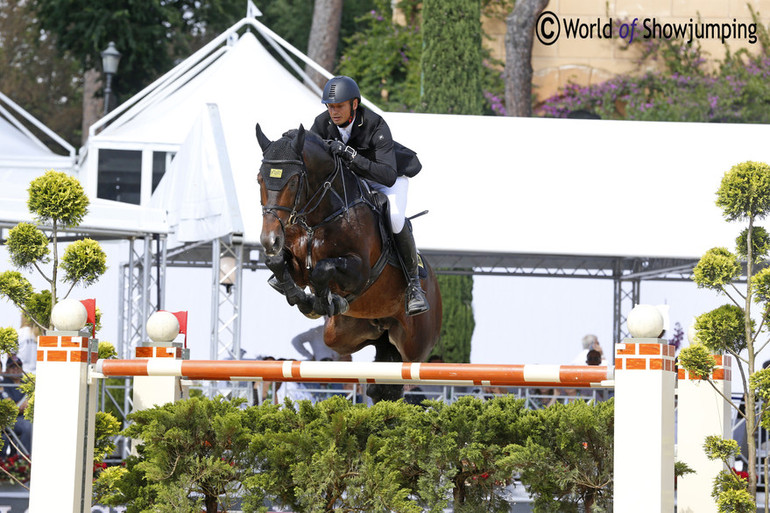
x=396, y=201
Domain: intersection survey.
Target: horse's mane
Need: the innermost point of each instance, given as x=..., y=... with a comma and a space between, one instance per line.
x=310, y=137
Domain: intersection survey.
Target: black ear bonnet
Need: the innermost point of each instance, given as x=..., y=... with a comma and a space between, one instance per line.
x=281, y=162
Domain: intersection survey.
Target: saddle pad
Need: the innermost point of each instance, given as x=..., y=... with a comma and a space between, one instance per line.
x=421, y=270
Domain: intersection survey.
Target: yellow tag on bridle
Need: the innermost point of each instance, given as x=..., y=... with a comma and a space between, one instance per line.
x=275, y=173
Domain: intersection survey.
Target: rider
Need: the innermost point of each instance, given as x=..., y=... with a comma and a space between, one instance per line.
x=362, y=138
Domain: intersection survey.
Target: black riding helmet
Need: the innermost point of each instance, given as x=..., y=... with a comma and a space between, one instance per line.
x=340, y=89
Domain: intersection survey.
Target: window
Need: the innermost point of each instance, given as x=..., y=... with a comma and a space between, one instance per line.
x=160, y=162
x=120, y=175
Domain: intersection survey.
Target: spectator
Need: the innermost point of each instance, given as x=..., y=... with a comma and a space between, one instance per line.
x=594, y=357
x=542, y=397
x=27, y=351
x=589, y=342
x=314, y=338
x=22, y=430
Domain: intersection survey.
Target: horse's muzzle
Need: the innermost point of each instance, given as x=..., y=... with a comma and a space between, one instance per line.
x=272, y=242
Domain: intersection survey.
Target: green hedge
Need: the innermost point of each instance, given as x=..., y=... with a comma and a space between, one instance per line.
x=203, y=453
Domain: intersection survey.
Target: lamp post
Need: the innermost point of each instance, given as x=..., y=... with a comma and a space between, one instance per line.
x=110, y=61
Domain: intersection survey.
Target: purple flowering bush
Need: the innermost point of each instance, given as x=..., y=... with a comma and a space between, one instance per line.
x=738, y=94
x=736, y=91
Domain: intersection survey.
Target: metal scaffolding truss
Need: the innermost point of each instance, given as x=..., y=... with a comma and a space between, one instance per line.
x=141, y=290
x=226, y=290
x=228, y=257
x=627, y=273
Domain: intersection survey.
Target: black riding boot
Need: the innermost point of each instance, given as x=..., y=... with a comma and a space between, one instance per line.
x=416, y=302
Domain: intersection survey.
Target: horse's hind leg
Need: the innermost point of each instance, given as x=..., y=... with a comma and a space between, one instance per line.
x=385, y=352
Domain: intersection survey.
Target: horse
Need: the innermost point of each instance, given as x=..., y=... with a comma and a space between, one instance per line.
x=322, y=230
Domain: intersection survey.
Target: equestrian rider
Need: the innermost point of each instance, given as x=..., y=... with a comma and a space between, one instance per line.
x=362, y=138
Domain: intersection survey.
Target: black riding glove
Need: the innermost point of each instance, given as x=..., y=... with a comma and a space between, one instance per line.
x=345, y=152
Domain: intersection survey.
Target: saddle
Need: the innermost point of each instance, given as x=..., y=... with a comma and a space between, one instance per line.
x=379, y=203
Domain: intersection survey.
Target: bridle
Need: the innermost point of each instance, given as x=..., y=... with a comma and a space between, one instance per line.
x=298, y=214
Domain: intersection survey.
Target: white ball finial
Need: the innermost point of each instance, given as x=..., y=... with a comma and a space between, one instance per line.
x=645, y=321
x=162, y=327
x=69, y=315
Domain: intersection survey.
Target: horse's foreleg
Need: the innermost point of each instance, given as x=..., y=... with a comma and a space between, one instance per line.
x=285, y=284
x=345, y=272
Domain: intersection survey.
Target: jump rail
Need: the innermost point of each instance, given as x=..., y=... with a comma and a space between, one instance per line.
x=578, y=376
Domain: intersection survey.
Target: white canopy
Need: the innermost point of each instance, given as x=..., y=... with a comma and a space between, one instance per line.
x=543, y=186
x=570, y=186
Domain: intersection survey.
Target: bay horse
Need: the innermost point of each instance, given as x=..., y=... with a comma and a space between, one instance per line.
x=322, y=231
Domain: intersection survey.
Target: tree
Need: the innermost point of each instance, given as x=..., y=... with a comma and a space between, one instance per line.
x=744, y=195
x=454, y=345
x=452, y=84
x=384, y=58
x=324, y=36
x=520, y=26
x=36, y=75
x=58, y=202
x=566, y=458
x=451, y=57
x=192, y=456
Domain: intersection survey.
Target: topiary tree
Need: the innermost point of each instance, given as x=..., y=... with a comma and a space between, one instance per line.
x=744, y=195
x=57, y=201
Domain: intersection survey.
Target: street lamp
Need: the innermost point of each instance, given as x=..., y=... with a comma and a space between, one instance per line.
x=110, y=61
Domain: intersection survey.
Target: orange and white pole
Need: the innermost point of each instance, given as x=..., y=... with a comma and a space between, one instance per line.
x=363, y=372
x=65, y=407
x=702, y=412
x=644, y=417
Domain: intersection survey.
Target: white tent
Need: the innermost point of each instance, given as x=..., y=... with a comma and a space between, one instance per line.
x=572, y=186
x=238, y=82
x=23, y=156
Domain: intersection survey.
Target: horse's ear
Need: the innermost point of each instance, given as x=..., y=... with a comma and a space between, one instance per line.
x=264, y=142
x=299, y=140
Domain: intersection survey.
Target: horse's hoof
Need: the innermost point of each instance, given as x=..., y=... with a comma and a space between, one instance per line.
x=338, y=305
x=311, y=315
x=295, y=296
x=273, y=282
x=385, y=392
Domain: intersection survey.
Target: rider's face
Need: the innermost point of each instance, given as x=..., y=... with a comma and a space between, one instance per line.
x=340, y=112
